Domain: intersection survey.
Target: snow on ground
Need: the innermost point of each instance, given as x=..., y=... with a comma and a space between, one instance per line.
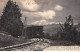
x=44, y=43
x=7, y=40
x=59, y=43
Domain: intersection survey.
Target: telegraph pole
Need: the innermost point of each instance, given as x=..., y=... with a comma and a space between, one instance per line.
x=24, y=31
x=25, y=26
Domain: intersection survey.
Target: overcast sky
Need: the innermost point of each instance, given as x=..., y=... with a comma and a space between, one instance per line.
x=40, y=12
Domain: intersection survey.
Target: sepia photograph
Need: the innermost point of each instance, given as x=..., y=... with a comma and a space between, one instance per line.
x=39, y=25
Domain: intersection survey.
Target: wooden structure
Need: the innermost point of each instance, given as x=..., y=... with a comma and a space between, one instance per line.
x=34, y=32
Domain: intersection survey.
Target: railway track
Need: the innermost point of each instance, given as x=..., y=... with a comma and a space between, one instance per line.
x=20, y=46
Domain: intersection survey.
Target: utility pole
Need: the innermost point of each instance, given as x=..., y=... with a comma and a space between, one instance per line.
x=25, y=26
x=24, y=30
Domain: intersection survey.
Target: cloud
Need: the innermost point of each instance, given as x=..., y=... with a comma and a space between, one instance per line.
x=30, y=5
x=47, y=14
x=55, y=10
x=58, y=7
x=49, y=10
x=38, y=17
x=44, y=14
x=41, y=22
x=34, y=5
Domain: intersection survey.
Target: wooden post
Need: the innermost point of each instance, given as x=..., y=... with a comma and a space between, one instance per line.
x=24, y=31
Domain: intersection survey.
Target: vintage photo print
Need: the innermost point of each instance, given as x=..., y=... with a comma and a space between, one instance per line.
x=39, y=25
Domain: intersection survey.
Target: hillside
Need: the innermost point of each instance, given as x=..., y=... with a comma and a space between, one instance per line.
x=52, y=29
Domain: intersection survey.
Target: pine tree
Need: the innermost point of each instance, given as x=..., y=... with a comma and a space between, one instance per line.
x=69, y=32
x=10, y=20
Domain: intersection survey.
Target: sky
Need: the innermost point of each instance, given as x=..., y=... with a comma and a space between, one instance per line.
x=42, y=12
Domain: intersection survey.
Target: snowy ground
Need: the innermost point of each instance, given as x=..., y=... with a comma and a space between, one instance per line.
x=37, y=46
x=44, y=44
x=7, y=40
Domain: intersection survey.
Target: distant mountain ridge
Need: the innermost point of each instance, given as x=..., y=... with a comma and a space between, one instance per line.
x=52, y=28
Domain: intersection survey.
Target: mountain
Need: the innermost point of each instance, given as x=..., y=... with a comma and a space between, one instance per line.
x=52, y=29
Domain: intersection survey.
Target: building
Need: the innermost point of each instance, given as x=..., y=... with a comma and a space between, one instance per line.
x=34, y=32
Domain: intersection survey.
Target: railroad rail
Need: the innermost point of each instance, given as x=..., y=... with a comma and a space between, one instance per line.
x=13, y=47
